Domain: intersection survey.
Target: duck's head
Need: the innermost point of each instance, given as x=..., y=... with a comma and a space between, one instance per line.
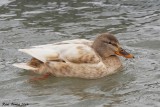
x=106, y=45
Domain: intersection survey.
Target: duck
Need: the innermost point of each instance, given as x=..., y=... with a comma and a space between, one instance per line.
x=79, y=58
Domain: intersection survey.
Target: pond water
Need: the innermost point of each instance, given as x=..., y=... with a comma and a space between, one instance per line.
x=136, y=23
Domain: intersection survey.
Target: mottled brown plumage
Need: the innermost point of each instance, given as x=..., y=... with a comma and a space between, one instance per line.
x=35, y=63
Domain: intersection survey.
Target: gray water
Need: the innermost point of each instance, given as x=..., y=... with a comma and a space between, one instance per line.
x=136, y=23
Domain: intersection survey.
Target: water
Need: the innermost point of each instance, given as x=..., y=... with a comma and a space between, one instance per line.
x=136, y=23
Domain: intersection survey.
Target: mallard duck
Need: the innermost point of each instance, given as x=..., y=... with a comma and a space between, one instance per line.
x=77, y=58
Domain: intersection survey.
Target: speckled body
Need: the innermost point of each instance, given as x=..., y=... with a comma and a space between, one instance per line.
x=89, y=71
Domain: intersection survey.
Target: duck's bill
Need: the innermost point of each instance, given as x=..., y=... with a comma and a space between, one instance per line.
x=122, y=52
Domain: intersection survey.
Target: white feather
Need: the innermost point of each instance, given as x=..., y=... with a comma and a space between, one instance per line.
x=24, y=66
x=66, y=50
x=40, y=53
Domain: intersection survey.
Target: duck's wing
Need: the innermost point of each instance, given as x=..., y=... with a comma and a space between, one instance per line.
x=74, y=41
x=69, y=53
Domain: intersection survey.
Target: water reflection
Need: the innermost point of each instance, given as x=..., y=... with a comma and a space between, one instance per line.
x=79, y=91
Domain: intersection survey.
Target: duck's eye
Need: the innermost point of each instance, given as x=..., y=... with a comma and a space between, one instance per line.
x=121, y=50
x=109, y=43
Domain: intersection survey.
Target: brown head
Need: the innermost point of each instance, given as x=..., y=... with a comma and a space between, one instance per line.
x=106, y=45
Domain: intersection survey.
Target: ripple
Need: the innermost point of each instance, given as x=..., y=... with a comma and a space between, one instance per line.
x=32, y=12
x=135, y=23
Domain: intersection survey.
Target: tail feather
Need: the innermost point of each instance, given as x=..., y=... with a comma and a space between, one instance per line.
x=24, y=66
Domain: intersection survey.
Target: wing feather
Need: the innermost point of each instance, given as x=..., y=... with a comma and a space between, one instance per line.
x=41, y=54
x=72, y=51
x=75, y=41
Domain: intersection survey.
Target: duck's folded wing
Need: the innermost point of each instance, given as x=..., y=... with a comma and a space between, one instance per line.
x=41, y=53
x=74, y=53
x=74, y=41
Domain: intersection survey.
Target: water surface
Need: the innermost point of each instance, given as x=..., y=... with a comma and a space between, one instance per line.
x=136, y=23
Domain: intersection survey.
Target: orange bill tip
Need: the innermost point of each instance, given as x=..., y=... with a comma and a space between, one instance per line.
x=123, y=53
x=129, y=56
